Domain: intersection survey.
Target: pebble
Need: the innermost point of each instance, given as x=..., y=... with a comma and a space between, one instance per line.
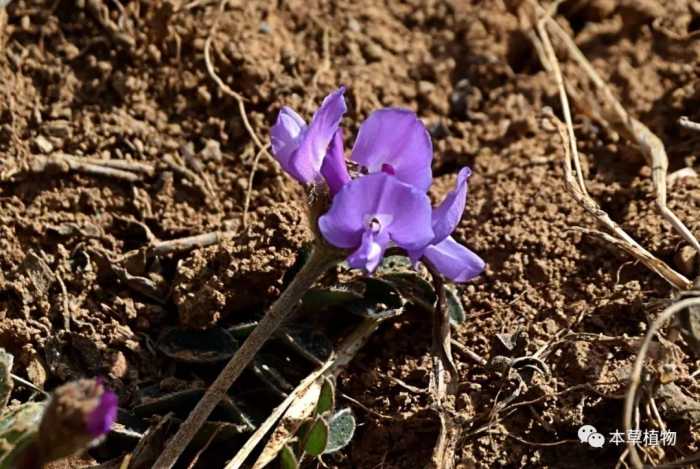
x=211, y=151
x=119, y=366
x=425, y=87
x=36, y=372
x=685, y=260
x=354, y=25
x=58, y=128
x=373, y=51
x=43, y=144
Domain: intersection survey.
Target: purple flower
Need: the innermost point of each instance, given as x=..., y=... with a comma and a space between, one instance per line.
x=395, y=141
x=103, y=416
x=373, y=212
x=301, y=149
x=450, y=258
x=334, y=169
x=387, y=206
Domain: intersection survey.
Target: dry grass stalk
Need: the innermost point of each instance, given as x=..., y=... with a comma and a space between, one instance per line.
x=651, y=145
x=631, y=398
x=575, y=185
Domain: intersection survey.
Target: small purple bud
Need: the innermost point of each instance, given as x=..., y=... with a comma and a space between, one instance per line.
x=100, y=420
x=78, y=414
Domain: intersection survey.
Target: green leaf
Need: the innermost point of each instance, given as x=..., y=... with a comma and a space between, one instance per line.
x=18, y=428
x=287, y=458
x=321, y=299
x=381, y=300
x=454, y=305
x=414, y=288
x=197, y=347
x=317, y=438
x=394, y=264
x=326, y=400
x=341, y=428
x=6, y=383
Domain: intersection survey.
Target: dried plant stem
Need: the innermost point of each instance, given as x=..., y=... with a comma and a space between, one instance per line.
x=66, y=163
x=249, y=189
x=688, y=124
x=442, y=389
x=636, y=374
x=574, y=185
x=321, y=259
x=651, y=146
x=343, y=355
x=191, y=242
x=470, y=353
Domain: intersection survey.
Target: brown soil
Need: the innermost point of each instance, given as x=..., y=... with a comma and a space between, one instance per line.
x=90, y=79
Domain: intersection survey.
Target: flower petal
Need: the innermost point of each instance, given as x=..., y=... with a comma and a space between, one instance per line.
x=454, y=261
x=285, y=135
x=403, y=210
x=334, y=169
x=307, y=161
x=103, y=415
x=368, y=256
x=446, y=217
x=395, y=140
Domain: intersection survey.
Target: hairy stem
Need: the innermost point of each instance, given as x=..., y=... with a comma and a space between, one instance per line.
x=322, y=258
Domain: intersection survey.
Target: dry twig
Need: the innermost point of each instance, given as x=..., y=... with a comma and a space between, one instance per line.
x=191, y=242
x=301, y=402
x=469, y=353
x=688, y=124
x=63, y=163
x=636, y=375
x=249, y=189
x=651, y=146
x=443, y=379
x=574, y=183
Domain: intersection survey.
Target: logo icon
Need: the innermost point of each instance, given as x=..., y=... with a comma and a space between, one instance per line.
x=589, y=435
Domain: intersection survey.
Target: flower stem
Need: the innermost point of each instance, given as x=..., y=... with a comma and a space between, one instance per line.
x=321, y=259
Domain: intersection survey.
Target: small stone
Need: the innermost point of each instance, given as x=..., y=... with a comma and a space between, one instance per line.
x=203, y=94
x=373, y=51
x=70, y=50
x=354, y=25
x=154, y=53
x=58, y=128
x=686, y=260
x=119, y=365
x=43, y=144
x=36, y=372
x=211, y=151
x=425, y=87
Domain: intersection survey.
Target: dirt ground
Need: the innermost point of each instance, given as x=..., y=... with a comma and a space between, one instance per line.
x=101, y=79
